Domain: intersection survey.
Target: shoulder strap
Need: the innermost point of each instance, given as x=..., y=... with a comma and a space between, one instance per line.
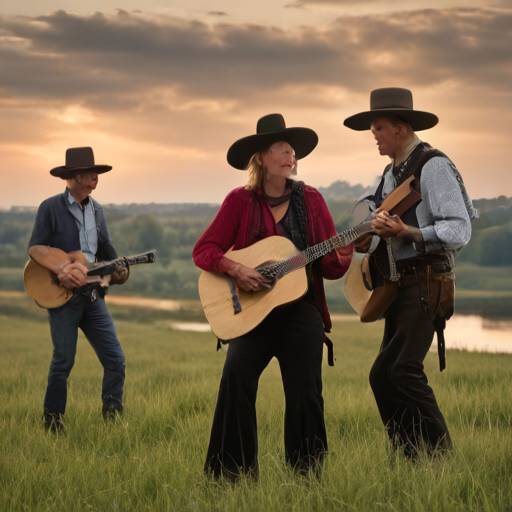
x=419, y=157
x=299, y=218
x=377, y=196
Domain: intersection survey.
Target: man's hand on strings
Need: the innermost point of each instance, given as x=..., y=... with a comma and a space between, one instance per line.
x=73, y=275
x=386, y=226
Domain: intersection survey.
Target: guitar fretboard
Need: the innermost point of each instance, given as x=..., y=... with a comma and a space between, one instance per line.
x=300, y=260
x=138, y=259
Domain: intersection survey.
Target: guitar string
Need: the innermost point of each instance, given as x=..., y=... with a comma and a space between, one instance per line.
x=280, y=269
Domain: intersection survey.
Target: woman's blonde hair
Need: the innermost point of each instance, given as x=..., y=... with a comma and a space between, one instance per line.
x=256, y=172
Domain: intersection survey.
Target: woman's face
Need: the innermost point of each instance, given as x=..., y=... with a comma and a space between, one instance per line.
x=279, y=160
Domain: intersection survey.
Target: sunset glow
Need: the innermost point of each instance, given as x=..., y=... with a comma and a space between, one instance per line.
x=161, y=92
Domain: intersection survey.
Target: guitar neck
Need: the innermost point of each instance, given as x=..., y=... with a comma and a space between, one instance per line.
x=398, y=201
x=107, y=267
x=341, y=240
x=311, y=254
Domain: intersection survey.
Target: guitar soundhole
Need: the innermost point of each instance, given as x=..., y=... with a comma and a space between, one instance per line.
x=261, y=269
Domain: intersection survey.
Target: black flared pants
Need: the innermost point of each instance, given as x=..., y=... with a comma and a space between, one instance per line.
x=294, y=335
x=406, y=402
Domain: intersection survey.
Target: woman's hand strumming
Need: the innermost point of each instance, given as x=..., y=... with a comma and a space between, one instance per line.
x=248, y=279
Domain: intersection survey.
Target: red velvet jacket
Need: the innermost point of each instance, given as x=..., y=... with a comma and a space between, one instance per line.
x=235, y=225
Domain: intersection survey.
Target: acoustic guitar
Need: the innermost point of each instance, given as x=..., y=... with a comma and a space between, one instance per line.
x=232, y=312
x=44, y=288
x=370, y=302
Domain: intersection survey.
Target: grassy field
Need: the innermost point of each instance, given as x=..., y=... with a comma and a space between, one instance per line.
x=152, y=460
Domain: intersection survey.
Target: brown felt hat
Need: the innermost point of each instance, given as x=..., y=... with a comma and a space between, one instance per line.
x=271, y=129
x=78, y=160
x=392, y=101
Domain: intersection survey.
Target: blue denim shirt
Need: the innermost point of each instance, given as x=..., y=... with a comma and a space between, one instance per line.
x=55, y=226
x=86, y=222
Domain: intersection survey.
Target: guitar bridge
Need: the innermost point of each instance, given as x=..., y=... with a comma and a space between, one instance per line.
x=234, y=297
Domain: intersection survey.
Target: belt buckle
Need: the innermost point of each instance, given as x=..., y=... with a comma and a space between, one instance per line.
x=94, y=295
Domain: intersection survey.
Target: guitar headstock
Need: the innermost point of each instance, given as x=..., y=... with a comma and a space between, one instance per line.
x=138, y=259
x=151, y=256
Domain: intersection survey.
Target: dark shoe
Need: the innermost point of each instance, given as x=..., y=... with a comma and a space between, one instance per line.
x=53, y=422
x=111, y=412
x=112, y=407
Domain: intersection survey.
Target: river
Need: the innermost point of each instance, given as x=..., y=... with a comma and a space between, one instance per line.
x=469, y=332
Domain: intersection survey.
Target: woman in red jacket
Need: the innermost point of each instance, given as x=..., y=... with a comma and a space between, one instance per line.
x=272, y=204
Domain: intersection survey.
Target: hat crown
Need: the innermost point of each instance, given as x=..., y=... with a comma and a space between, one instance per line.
x=79, y=157
x=271, y=123
x=391, y=97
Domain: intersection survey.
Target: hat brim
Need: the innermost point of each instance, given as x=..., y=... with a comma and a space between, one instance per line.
x=416, y=118
x=66, y=173
x=302, y=140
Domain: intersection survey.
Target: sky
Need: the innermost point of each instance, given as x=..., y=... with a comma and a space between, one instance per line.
x=160, y=89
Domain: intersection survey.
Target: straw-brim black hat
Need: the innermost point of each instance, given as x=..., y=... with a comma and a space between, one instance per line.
x=269, y=130
x=392, y=101
x=79, y=160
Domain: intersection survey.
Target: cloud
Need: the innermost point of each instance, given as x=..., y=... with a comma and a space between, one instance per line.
x=217, y=13
x=395, y=5
x=299, y=4
x=146, y=89
x=107, y=54
x=128, y=60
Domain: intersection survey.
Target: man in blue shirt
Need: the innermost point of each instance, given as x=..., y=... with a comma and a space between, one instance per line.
x=69, y=232
x=416, y=253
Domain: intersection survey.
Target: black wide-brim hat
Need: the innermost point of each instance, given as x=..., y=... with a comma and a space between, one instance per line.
x=269, y=130
x=79, y=160
x=392, y=101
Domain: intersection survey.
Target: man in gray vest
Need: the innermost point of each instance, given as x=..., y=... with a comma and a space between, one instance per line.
x=69, y=232
x=416, y=253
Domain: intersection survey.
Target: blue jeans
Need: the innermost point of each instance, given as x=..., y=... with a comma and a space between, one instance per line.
x=97, y=325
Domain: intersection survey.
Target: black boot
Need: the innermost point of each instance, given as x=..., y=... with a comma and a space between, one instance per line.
x=111, y=409
x=53, y=422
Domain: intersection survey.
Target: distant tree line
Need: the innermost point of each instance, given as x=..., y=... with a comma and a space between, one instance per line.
x=173, y=235
x=173, y=229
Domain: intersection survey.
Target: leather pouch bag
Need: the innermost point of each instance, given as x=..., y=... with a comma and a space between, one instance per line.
x=437, y=292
